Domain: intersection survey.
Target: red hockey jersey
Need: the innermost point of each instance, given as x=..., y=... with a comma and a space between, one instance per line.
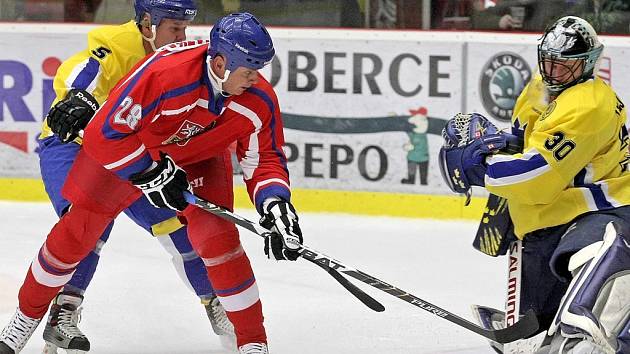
x=166, y=103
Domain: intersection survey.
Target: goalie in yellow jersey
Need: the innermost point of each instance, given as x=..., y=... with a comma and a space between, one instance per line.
x=568, y=192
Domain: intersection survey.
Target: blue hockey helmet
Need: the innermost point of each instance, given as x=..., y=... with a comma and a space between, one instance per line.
x=242, y=40
x=159, y=9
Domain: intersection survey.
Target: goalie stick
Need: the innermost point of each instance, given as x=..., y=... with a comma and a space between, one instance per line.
x=526, y=326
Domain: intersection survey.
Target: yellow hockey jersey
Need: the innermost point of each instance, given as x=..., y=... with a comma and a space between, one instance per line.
x=111, y=53
x=575, y=157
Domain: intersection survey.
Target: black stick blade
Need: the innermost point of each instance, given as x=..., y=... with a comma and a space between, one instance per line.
x=366, y=299
x=525, y=327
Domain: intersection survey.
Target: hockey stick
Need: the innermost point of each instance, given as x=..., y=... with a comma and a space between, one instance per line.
x=526, y=326
x=366, y=299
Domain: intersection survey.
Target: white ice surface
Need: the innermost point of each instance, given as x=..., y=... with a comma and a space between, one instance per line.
x=137, y=304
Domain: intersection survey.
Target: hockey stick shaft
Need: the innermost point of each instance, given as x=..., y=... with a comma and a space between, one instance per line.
x=257, y=229
x=527, y=325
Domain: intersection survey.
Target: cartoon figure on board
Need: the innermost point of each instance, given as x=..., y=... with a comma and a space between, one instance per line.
x=418, y=147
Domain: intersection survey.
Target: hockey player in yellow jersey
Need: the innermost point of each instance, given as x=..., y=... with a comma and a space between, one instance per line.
x=567, y=192
x=113, y=50
x=82, y=84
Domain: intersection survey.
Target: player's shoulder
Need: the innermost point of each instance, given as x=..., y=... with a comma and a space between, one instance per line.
x=115, y=32
x=588, y=107
x=531, y=102
x=593, y=96
x=534, y=92
x=178, y=62
x=183, y=54
x=115, y=38
x=594, y=90
x=184, y=49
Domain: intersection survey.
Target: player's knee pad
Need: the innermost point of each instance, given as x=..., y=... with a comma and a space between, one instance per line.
x=596, y=306
x=76, y=234
x=219, y=248
x=210, y=235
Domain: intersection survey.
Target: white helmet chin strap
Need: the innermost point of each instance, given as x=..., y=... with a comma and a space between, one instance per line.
x=215, y=80
x=152, y=39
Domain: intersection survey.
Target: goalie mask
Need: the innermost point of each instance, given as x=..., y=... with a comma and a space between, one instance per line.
x=568, y=53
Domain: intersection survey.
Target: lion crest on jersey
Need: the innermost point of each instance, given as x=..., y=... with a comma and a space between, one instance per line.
x=187, y=130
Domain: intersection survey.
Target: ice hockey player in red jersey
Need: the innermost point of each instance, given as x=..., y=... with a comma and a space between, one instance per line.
x=165, y=129
x=82, y=83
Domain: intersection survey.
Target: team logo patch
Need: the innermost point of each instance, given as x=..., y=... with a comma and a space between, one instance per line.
x=502, y=79
x=187, y=130
x=548, y=111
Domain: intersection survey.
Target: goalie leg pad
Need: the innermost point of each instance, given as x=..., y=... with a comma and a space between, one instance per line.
x=624, y=339
x=595, y=308
x=584, y=231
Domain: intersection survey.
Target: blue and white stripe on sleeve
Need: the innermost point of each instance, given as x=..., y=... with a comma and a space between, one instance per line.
x=84, y=75
x=507, y=169
x=597, y=197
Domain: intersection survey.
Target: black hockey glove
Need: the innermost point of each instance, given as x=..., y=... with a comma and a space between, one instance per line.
x=164, y=185
x=286, y=239
x=72, y=114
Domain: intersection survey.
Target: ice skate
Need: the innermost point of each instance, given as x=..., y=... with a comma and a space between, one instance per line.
x=221, y=325
x=61, y=330
x=253, y=348
x=15, y=335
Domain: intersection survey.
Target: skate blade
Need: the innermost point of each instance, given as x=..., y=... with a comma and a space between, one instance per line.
x=229, y=343
x=50, y=348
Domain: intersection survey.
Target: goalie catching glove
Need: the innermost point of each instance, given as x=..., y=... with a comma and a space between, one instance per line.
x=72, y=114
x=285, y=241
x=468, y=139
x=164, y=185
